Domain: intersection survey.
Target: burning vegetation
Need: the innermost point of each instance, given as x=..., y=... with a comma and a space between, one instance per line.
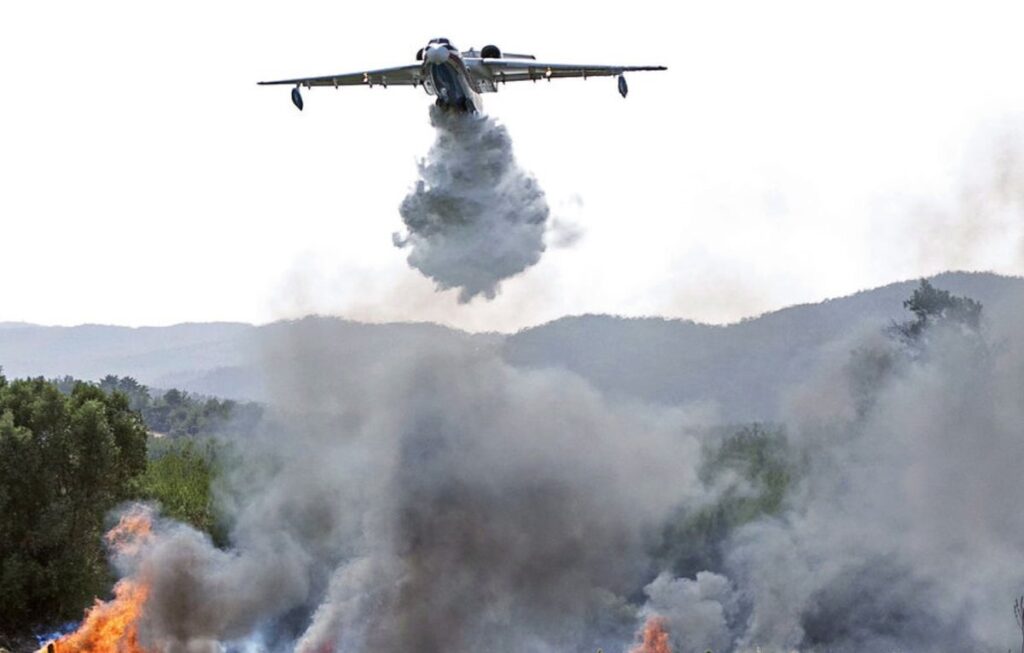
x=113, y=626
x=109, y=626
x=450, y=522
x=653, y=637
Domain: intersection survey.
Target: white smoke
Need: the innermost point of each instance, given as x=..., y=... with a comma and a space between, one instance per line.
x=444, y=501
x=474, y=218
x=696, y=612
x=905, y=531
x=201, y=596
x=448, y=502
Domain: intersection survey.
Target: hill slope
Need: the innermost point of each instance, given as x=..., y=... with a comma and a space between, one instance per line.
x=740, y=367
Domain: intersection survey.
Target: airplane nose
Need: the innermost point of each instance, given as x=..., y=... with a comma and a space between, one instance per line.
x=436, y=55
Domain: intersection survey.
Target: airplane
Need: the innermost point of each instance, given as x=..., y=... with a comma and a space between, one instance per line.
x=458, y=78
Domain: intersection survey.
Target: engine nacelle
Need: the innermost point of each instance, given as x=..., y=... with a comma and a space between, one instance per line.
x=490, y=52
x=297, y=98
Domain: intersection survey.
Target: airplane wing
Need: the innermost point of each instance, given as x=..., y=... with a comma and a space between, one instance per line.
x=511, y=70
x=410, y=75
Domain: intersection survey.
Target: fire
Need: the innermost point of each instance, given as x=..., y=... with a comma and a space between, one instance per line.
x=654, y=638
x=109, y=627
x=112, y=626
x=133, y=530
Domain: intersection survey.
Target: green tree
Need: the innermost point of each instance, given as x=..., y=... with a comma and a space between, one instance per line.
x=932, y=306
x=180, y=478
x=760, y=458
x=872, y=365
x=65, y=461
x=175, y=412
x=138, y=394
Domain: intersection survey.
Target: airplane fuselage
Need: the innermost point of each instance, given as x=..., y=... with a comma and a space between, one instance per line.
x=445, y=76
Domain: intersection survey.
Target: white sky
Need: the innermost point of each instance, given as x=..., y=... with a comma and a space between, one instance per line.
x=794, y=151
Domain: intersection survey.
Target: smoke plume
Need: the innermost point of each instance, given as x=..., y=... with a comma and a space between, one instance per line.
x=904, y=531
x=444, y=501
x=474, y=218
x=447, y=503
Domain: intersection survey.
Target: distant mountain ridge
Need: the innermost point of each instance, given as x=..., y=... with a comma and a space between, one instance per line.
x=739, y=366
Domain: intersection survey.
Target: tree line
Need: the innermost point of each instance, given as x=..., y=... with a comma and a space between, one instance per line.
x=70, y=453
x=175, y=412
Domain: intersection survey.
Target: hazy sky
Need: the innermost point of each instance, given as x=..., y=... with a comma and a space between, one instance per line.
x=793, y=151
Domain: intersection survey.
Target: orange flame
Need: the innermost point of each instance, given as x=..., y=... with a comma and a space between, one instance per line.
x=112, y=626
x=133, y=530
x=109, y=627
x=654, y=638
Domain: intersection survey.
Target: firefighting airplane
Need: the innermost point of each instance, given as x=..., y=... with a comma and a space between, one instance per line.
x=458, y=78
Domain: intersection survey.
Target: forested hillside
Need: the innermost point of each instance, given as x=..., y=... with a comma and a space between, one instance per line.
x=71, y=451
x=738, y=367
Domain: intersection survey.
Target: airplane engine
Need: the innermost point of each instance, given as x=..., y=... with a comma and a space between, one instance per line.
x=490, y=52
x=297, y=98
x=623, y=87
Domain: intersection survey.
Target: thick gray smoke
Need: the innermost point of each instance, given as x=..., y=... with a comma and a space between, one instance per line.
x=446, y=503
x=443, y=501
x=905, y=531
x=474, y=217
x=201, y=596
